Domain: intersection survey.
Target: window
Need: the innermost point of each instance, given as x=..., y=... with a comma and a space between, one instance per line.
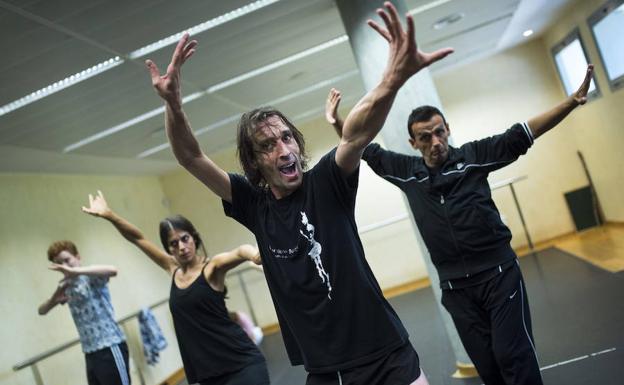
x=607, y=26
x=571, y=62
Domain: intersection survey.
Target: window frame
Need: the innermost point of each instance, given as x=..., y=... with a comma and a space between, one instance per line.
x=602, y=12
x=563, y=43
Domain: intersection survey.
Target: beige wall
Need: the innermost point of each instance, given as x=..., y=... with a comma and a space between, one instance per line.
x=39, y=209
x=597, y=132
x=486, y=97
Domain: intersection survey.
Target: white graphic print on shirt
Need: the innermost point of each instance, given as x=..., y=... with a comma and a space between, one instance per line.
x=315, y=252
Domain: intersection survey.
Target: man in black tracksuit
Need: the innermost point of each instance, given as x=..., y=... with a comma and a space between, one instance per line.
x=450, y=198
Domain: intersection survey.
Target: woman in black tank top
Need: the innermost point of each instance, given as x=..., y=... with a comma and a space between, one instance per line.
x=215, y=350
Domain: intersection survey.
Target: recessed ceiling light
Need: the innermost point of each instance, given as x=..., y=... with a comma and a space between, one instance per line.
x=527, y=33
x=448, y=20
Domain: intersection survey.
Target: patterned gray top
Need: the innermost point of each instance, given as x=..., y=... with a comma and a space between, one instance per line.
x=92, y=311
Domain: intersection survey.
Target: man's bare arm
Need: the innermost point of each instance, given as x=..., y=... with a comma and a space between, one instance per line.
x=368, y=116
x=184, y=144
x=542, y=123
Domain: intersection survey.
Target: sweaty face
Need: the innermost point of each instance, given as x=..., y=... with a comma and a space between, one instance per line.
x=181, y=246
x=66, y=258
x=277, y=157
x=431, y=138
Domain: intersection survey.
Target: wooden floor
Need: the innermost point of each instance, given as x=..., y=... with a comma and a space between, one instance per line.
x=601, y=246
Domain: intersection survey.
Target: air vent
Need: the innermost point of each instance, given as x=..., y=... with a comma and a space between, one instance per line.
x=447, y=20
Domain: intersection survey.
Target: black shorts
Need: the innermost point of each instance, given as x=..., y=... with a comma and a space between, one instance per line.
x=400, y=367
x=252, y=374
x=108, y=366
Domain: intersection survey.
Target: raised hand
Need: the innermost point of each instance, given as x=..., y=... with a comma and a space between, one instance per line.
x=405, y=59
x=67, y=271
x=97, y=206
x=580, y=96
x=59, y=296
x=168, y=85
x=331, y=106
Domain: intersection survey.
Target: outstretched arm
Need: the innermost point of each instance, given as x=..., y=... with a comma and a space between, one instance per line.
x=58, y=298
x=104, y=271
x=99, y=208
x=404, y=60
x=549, y=119
x=331, y=110
x=184, y=144
x=224, y=262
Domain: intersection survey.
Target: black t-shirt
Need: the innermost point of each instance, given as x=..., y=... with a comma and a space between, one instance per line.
x=331, y=310
x=211, y=344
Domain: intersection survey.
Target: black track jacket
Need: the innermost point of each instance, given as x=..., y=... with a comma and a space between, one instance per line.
x=453, y=208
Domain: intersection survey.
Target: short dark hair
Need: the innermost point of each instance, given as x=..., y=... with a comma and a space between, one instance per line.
x=178, y=222
x=58, y=246
x=245, y=150
x=422, y=114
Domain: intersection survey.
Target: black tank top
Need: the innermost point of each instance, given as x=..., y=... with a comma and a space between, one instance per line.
x=211, y=344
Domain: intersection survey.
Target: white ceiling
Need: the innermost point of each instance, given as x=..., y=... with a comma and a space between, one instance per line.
x=45, y=41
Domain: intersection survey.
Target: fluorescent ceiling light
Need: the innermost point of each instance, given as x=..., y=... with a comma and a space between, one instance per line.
x=217, y=21
x=233, y=118
x=226, y=83
x=61, y=84
x=112, y=130
x=113, y=62
x=126, y=124
x=279, y=63
x=237, y=79
x=209, y=90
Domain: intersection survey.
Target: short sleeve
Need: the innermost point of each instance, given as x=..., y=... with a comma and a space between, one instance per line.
x=328, y=174
x=244, y=201
x=97, y=281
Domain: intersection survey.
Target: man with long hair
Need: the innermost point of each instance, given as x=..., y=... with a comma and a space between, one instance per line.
x=333, y=316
